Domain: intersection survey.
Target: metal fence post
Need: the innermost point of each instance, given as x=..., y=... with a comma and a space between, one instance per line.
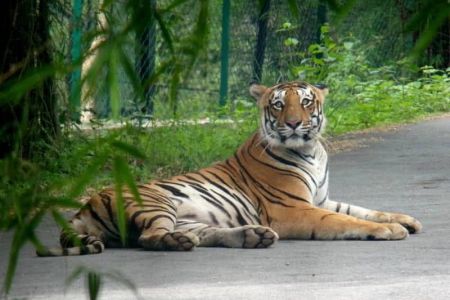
x=75, y=54
x=147, y=55
x=321, y=19
x=224, y=52
x=261, y=42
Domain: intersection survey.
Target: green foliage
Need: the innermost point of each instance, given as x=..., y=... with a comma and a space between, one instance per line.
x=362, y=95
x=94, y=281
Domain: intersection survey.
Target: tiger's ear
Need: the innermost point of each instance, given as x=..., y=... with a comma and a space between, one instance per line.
x=257, y=90
x=323, y=88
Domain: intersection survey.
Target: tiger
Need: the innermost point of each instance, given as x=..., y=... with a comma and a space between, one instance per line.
x=275, y=186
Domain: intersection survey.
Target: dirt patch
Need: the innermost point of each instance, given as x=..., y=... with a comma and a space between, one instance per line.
x=340, y=144
x=363, y=138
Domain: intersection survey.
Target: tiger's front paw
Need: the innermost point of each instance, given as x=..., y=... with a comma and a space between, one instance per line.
x=388, y=231
x=172, y=241
x=258, y=236
x=411, y=224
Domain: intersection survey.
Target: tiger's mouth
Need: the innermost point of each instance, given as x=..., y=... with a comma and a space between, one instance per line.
x=305, y=136
x=295, y=140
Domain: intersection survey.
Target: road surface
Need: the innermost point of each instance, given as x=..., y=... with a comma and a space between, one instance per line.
x=406, y=170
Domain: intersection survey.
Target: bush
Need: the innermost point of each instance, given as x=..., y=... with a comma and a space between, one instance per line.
x=363, y=96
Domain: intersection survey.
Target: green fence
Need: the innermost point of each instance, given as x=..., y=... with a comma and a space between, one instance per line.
x=248, y=41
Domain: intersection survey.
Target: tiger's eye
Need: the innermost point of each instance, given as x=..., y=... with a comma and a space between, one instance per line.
x=278, y=105
x=306, y=101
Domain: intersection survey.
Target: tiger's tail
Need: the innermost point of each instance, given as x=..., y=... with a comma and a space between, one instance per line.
x=88, y=244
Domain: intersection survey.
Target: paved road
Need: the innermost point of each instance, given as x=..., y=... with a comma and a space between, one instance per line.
x=407, y=170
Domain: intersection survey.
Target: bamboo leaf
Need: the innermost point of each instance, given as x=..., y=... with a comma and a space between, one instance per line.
x=94, y=281
x=74, y=276
x=22, y=234
x=62, y=202
x=119, y=167
x=166, y=35
x=129, y=149
x=90, y=173
x=113, y=84
x=131, y=74
x=130, y=182
x=172, y=5
x=12, y=91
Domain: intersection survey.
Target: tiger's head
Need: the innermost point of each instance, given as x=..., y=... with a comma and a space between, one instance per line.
x=291, y=113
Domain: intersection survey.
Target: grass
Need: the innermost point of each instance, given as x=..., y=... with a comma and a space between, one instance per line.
x=180, y=148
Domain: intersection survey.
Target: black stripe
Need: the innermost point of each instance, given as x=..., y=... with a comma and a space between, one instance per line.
x=229, y=192
x=213, y=218
x=303, y=157
x=171, y=182
x=338, y=207
x=280, y=159
x=232, y=178
x=284, y=172
x=324, y=199
x=239, y=216
x=216, y=203
x=193, y=184
x=289, y=163
x=150, y=221
x=322, y=182
x=220, y=179
x=157, y=198
x=136, y=214
x=260, y=186
x=173, y=190
x=96, y=217
x=106, y=200
x=193, y=178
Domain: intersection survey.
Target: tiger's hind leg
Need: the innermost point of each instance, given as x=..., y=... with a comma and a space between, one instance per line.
x=156, y=223
x=410, y=223
x=248, y=236
x=80, y=238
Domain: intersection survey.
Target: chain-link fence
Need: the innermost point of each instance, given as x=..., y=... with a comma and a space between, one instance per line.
x=266, y=38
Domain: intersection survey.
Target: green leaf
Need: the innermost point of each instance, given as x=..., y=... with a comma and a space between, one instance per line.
x=94, y=281
x=294, y=8
x=119, y=168
x=22, y=234
x=287, y=25
x=90, y=173
x=13, y=90
x=348, y=45
x=131, y=183
x=130, y=71
x=129, y=149
x=113, y=83
x=290, y=42
x=165, y=33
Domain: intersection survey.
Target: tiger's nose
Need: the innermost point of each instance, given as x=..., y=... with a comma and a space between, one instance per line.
x=293, y=123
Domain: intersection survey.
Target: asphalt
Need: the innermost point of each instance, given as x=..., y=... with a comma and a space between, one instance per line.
x=404, y=170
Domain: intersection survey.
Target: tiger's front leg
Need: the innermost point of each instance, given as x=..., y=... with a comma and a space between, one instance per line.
x=309, y=222
x=410, y=223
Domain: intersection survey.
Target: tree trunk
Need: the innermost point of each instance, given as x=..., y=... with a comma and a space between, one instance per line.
x=30, y=118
